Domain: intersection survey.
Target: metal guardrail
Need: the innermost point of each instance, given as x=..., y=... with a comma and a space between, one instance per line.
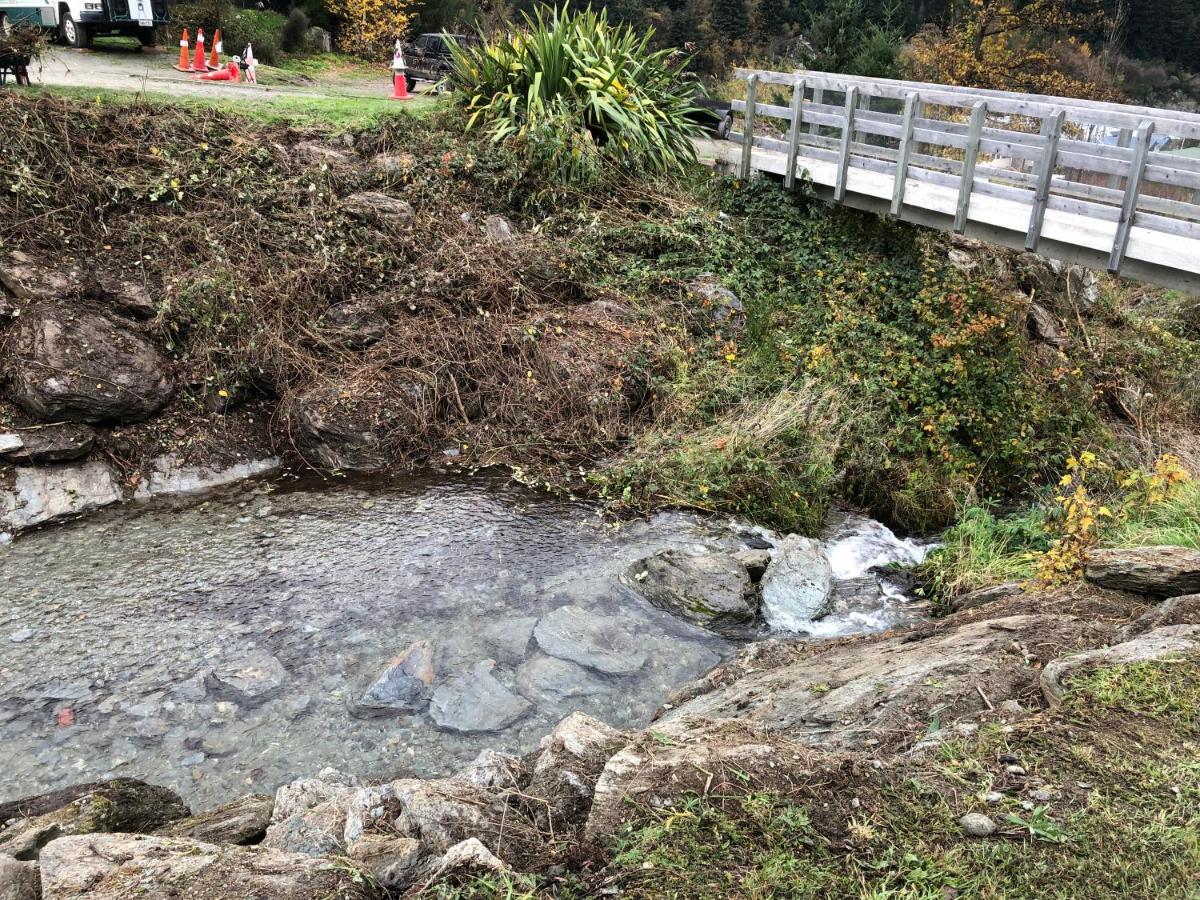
x=1090, y=182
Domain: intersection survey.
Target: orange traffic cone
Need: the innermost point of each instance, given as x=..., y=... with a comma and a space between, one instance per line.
x=198, y=63
x=214, y=58
x=399, y=86
x=182, y=66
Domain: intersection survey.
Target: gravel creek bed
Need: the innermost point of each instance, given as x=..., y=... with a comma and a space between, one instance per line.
x=220, y=645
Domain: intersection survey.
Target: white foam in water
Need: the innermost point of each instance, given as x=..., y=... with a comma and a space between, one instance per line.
x=870, y=544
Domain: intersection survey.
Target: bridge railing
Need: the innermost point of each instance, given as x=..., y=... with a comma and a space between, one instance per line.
x=1104, y=162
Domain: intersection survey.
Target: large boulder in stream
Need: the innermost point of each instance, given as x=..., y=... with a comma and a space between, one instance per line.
x=119, y=866
x=714, y=590
x=475, y=702
x=404, y=686
x=1152, y=571
x=84, y=367
x=798, y=585
x=123, y=804
x=598, y=642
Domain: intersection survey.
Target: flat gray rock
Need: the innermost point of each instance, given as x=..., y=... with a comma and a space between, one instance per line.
x=1152, y=571
x=250, y=678
x=47, y=444
x=508, y=639
x=40, y=495
x=596, y=641
x=476, y=702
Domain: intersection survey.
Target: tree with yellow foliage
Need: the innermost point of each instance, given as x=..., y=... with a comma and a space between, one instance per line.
x=1034, y=47
x=370, y=28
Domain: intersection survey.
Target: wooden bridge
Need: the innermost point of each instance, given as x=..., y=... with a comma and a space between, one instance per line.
x=1104, y=185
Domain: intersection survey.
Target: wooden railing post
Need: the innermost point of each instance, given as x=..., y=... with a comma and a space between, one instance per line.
x=789, y=179
x=1123, y=138
x=748, y=130
x=970, y=155
x=1051, y=131
x=839, y=189
x=818, y=97
x=1133, y=186
x=911, y=102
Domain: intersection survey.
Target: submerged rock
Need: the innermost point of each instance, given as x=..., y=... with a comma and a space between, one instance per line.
x=797, y=587
x=170, y=475
x=598, y=642
x=476, y=702
x=251, y=677
x=85, y=367
x=119, y=866
x=40, y=495
x=553, y=681
x=1153, y=571
x=47, y=444
x=714, y=590
x=405, y=685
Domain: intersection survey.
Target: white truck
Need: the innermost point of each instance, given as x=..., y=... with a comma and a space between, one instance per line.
x=78, y=21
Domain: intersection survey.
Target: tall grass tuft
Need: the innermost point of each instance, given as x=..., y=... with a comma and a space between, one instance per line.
x=574, y=92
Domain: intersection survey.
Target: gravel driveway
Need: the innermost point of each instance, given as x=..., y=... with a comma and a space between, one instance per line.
x=126, y=68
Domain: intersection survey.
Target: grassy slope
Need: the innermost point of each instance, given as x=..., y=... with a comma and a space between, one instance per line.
x=1119, y=760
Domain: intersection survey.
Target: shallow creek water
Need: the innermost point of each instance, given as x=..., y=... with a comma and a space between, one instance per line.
x=218, y=646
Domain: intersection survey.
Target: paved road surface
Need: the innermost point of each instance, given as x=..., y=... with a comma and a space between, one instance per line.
x=125, y=68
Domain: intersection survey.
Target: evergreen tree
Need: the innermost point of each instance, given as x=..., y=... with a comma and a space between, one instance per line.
x=731, y=19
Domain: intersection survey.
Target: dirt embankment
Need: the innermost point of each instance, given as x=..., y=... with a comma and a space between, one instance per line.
x=173, y=283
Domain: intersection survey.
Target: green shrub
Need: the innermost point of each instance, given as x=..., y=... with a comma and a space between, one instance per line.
x=294, y=36
x=574, y=91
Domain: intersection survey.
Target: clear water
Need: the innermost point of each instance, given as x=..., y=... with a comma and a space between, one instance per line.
x=111, y=627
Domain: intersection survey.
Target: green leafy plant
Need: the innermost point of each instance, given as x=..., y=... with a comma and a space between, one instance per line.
x=574, y=91
x=1039, y=825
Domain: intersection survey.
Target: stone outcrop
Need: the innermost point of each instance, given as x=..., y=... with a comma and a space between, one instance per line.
x=1183, y=610
x=28, y=279
x=713, y=590
x=569, y=761
x=859, y=693
x=40, y=495
x=354, y=324
x=723, y=305
x=1160, y=643
x=84, y=367
x=119, y=866
x=378, y=206
x=46, y=444
x=1151, y=571
x=121, y=805
x=797, y=586
x=19, y=880
x=243, y=821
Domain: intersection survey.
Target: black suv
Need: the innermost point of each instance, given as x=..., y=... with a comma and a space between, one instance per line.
x=428, y=57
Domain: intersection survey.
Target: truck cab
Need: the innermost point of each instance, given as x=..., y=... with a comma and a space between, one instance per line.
x=78, y=21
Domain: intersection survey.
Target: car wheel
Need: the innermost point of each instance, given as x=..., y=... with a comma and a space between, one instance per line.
x=724, y=126
x=73, y=33
x=148, y=37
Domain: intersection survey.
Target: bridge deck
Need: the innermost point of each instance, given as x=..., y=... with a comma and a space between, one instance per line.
x=1010, y=168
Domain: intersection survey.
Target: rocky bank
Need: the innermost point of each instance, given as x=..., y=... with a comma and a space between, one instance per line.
x=780, y=713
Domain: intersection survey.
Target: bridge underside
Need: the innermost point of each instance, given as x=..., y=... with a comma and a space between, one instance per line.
x=1169, y=260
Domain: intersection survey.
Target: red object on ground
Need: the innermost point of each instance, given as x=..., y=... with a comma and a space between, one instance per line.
x=231, y=72
x=198, y=63
x=182, y=65
x=66, y=717
x=400, y=86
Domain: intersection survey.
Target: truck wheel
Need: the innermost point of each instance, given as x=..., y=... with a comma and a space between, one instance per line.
x=73, y=33
x=148, y=37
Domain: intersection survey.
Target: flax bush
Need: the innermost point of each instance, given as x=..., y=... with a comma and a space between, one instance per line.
x=574, y=92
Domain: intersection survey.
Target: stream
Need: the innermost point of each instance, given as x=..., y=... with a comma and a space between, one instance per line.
x=220, y=645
